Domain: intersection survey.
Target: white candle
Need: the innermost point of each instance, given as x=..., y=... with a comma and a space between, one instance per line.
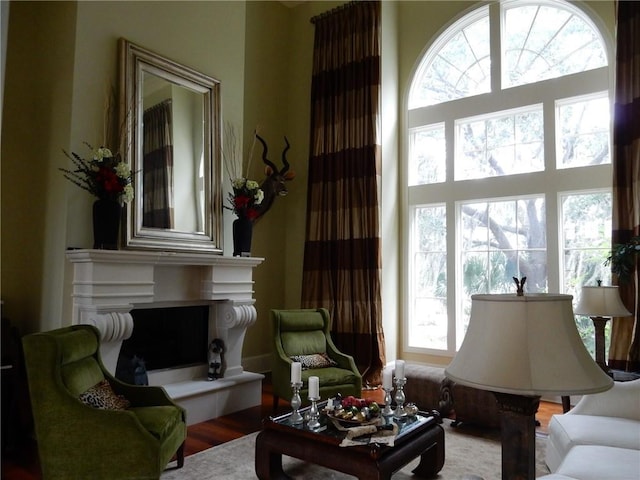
x=399, y=368
x=387, y=379
x=314, y=387
x=296, y=372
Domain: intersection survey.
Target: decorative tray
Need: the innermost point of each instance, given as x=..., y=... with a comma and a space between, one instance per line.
x=353, y=423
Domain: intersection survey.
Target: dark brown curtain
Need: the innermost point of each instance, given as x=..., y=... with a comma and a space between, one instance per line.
x=342, y=250
x=624, y=353
x=157, y=209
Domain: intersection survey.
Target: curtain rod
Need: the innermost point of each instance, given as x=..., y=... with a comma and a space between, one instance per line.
x=332, y=11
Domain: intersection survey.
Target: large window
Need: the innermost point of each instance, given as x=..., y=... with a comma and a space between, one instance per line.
x=508, y=165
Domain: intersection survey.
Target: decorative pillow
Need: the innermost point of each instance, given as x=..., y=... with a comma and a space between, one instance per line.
x=102, y=396
x=315, y=360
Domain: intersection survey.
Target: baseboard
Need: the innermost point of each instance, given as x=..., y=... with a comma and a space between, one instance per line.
x=257, y=364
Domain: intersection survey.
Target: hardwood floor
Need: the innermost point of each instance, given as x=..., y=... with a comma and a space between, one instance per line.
x=21, y=463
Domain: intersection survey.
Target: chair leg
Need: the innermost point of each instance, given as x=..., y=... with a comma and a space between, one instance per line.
x=275, y=402
x=180, y=455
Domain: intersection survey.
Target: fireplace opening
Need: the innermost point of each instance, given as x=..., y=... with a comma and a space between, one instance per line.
x=164, y=338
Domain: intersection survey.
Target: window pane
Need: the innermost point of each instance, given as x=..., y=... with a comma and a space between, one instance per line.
x=586, y=242
x=428, y=322
x=427, y=155
x=583, y=132
x=586, y=237
x=500, y=240
x=507, y=143
x=543, y=42
x=460, y=68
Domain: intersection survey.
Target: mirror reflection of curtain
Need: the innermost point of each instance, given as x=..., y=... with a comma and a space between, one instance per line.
x=157, y=188
x=200, y=197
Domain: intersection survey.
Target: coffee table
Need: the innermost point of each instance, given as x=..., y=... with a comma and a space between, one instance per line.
x=420, y=435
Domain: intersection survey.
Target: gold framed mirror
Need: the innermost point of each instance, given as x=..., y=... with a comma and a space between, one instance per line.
x=170, y=114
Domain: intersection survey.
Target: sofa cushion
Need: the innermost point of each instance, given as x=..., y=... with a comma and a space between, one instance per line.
x=160, y=420
x=103, y=397
x=79, y=376
x=329, y=376
x=597, y=462
x=314, y=360
x=303, y=343
x=620, y=401
x=570, y=430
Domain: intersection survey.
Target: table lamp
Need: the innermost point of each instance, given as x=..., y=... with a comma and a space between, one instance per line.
x=601, y=303
x=522, y=347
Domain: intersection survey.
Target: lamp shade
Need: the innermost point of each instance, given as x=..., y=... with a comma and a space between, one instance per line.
x=601, y=302
x=526, y=345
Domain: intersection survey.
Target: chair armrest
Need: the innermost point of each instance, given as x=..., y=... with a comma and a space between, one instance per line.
x=342, y=359
x=141, y=395
x=622, y=401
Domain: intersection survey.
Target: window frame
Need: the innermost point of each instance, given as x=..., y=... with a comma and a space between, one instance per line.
x=551, y=183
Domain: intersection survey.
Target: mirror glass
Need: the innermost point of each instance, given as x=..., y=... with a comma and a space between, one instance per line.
x=172, y=123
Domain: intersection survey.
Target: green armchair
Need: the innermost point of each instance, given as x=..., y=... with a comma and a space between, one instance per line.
x=306, y=332
x=76, y=440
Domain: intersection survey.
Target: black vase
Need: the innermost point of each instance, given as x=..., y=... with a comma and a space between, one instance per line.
x=106, y=224
x=242, y=231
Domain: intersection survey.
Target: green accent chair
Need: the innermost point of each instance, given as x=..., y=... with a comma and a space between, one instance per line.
x=306, y=332
x=78, y=441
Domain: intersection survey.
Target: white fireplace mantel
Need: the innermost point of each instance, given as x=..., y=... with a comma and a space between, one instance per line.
x=126, y=277
x=108, y=284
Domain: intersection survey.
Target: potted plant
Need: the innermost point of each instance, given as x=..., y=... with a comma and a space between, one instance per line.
x=623, y=258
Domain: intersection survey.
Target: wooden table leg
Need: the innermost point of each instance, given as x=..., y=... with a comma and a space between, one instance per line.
x=432, y=459
x=268, y=463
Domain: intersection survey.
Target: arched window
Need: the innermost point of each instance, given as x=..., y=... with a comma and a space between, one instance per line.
x=508, y=164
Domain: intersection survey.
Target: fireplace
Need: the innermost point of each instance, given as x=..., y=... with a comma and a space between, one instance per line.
x=113, y=289
x=165, y=338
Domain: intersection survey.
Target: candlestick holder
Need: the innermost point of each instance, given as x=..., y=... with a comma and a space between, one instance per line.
x=314, y=414
x=296, y=402
x=400, y=398
x=387, y=410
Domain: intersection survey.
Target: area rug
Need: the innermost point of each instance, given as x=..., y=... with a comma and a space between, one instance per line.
x=468, y=452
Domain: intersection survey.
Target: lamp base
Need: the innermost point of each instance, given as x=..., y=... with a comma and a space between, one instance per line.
x=599, y=324
x=518, y=434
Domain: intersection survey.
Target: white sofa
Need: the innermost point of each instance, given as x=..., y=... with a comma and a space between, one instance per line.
x=599, y=439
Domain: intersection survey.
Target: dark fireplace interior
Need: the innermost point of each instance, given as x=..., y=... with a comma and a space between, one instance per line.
x=165, y=338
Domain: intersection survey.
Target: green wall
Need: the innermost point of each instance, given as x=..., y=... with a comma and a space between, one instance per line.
x=62, y=60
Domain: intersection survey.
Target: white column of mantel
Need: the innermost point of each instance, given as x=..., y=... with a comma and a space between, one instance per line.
x=107, y=284
x=232, y=321
x=232, y=282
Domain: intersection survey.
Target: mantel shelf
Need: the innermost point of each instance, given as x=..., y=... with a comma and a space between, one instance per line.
x=159, y=258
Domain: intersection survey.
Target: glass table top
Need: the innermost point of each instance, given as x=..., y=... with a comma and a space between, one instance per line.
x=328, y=428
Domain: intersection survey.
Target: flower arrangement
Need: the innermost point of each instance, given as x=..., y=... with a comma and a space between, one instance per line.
x=246, y=195
x=245, y=198
x=104, y=175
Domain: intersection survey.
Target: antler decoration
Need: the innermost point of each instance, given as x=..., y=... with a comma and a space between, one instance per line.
x=273, y=185
x=519, y=286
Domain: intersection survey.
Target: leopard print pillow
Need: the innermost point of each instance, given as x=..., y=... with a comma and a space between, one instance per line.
x=315, y=360
x=103, y=397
